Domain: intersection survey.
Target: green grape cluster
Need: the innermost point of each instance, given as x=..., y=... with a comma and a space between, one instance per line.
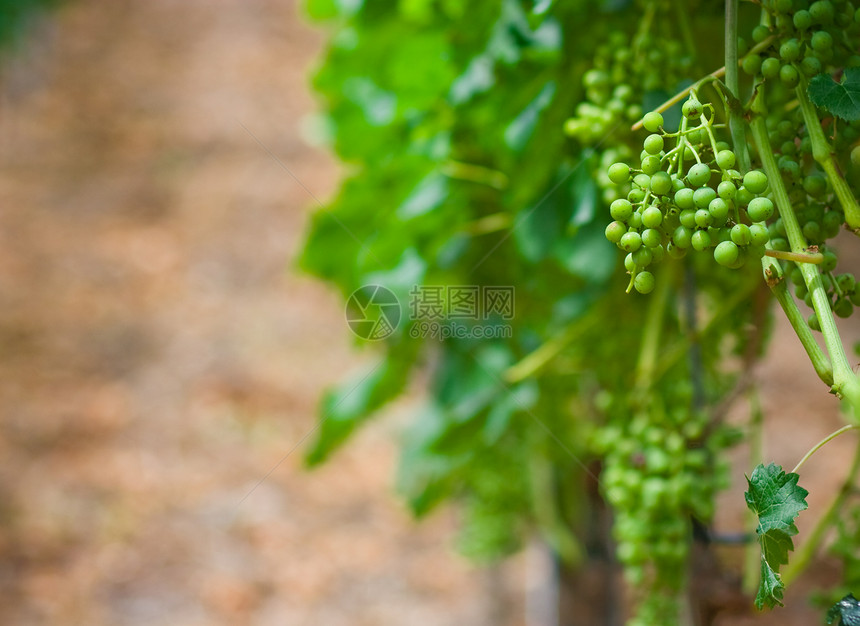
x=806, y=38
x=624, y=68
x=689, y=196
x=658, y=473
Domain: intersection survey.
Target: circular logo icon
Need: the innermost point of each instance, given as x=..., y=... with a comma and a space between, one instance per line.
x=373, y=312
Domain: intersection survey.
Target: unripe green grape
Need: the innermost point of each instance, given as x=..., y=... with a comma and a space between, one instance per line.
x=802, y=20
x=635, y=220
x=621, y=210
x=652, y=238
x=718, y=209
x=800, y=291
x=790, y=50
x=760, y=33
x=619, y=173
x=855, y=152
x=821, y=41
x=783, y=22
x=810, y=66
x=702, y=197
x=751, y=64
x=652, y=121
x=694, y=136
x=636, y=196
x=812, y=321
x=779, y=243
x=700, y=240
x=630, y=242
x=615, y=231
x=642, y=257
x=760, y=209
x=846, y=282
x=829, y=262
x=703, y=218
x=684, y=198
x=789, y=76
x=652, y=217
x=726, y=253
x=653, y=144
x=741, y=234
x=698, y=175
x=786, y=130
x=812, y=231
x=843, y=307
x=755, y=181
x=796, y=276
x=822, y=11
x=744, y=196
x=692, y=108
x=788, y=147
x=815, y=185
x=650, y=164
x=722, y=145
x=661, y=183
x=770, y=68
x=682, y=237
x=643, y=181
x=657, y=252
x=727, y=190
x=726, y=159
x=629, y=263
x=759, y=234
x=644, y=282
x=830, y=224
x=688, y=218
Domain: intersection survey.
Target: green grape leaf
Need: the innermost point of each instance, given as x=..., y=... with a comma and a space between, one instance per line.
x=841, y=99
x=776, y=499
x=847, y=610
x=770, y=589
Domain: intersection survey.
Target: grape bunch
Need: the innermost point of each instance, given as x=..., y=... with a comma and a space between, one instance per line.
x=659, y=473
x=807, y=37
x=685, y=197
x=624, y=68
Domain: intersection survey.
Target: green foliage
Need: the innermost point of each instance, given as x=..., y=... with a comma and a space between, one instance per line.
x=17, y=15
x=487, y=147
x=847, y=610
x=839, y=98
x=776, y=499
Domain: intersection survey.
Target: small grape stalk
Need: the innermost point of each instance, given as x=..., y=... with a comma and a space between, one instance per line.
x=687, y=197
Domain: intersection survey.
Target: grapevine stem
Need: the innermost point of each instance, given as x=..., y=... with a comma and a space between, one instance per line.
x=702, y=81
x=807, y=550
x=822, y=443
x=475, y=174
x=822, y=153
x=798, y=257
x=535, y=361
x=845, y=383
x=819, y=360
x=736, y=122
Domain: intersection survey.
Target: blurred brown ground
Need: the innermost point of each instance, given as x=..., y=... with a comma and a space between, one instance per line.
x=158, y=359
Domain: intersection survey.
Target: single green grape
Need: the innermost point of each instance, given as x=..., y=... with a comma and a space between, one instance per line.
x=652, y=217
x=661, y=183
x=760, y=209
x=741, y=234
x=726, y=159
x=652, y=121
x=615, y=231
x=621, y=210
x=755, y=181
x=770, y=68
x=700, y=240
x=698, y=175
x=619, y=173
x=644, y=282
x=653, y=144
x=630, y=242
